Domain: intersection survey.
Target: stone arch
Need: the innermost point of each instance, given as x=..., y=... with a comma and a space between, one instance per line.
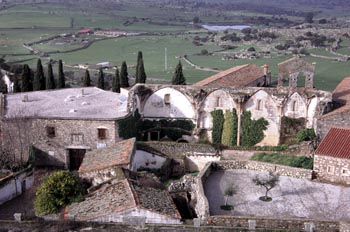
x=217, y=99
x=295, y=106
x=168, y=103
x=262, y=105
x=292, y=68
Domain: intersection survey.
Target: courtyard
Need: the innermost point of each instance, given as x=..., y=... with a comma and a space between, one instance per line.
x=291, y=198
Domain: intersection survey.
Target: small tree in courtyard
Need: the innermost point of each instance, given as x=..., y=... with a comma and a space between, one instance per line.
x=229, y=192
x=268, y=182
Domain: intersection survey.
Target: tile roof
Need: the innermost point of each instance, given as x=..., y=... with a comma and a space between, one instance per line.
x=155, y=199
x=69, y=103
x=116, y=155
x=335, y=144
x=109, y=199
x=122, y=195
x=238, y=76
x=341, y=93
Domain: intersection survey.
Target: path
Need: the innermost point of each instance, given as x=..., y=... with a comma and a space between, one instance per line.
x=199, y=67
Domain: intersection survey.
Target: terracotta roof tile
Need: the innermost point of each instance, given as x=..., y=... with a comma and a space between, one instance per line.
x=336, y=143
x=117, y=155
x=238, y=76
x=341, y=93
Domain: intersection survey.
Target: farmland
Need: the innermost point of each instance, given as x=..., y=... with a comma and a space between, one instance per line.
x=166, y=26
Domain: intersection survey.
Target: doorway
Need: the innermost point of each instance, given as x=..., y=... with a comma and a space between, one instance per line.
x=76, y=157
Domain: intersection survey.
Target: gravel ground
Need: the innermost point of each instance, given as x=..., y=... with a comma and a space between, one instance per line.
x=292, y=197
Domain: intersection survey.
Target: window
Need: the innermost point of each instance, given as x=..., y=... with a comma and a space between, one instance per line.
x=167, y=98
x=259, y=104
x=330, y=169
x=102, y=133
x=294, y=106
x=345, y=172
x=50, y=131
x=218, y=102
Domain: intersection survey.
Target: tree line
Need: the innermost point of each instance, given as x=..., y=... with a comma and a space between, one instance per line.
x=28, y=80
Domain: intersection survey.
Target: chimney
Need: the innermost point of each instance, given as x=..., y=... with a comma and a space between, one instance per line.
x=266, y=69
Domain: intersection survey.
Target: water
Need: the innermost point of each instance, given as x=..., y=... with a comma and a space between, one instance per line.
x=222, y=28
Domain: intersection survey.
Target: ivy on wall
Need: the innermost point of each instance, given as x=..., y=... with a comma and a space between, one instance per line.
x=218, y=124
x=134, y=126
x=229, y=132
x=252, y=130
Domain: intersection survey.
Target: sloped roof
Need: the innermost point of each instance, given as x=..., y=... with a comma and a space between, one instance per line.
x=117, y=155
x=335, y=144
x=70, y=103
x=341, y=95
x=238, y=76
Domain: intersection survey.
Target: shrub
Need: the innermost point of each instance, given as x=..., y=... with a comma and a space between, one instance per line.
x=251, y=49
x=57, y=190
x=284, y=159
x=306, y=135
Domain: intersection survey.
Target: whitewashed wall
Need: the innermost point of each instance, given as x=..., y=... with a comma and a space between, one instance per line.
x=179, y=105
x=295, y=107
x=146, y=160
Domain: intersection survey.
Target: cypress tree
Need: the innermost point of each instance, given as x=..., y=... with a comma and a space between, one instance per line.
x=50, y=81
x=178, y=77
x=124, y=80
x=101, y=80
x=218, y=123
x=116, y=82
x=39, y=78
x=140, y=70
x=61, y=79
x=27, y=83
x=87, y=80
x=16, y=86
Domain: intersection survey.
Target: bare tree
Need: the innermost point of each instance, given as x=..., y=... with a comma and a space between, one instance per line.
x=268, y=181
x=229, y=192
x=17, y=138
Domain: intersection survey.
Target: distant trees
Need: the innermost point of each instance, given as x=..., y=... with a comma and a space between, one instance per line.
x=116, y=82
x=140, y=69
x=61, y=79
x=50, y=81
x=87, y=80
x=16, y=86
x=178, y=77
x=309, y=17
x=27, y=83
x=39, y=77
x=101, y=79
x=124, y=79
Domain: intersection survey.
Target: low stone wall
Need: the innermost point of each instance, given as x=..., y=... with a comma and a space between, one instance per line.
x=262, y=166
x=273, y=223
x=202, y=205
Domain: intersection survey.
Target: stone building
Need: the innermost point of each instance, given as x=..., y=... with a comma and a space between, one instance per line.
x=332, y=157
x=127, y=199
x=239, y=76
x=196, y=102
x=61, y=124
x=340, y=115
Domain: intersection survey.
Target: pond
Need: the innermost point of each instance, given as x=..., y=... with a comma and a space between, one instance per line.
x=222, y=28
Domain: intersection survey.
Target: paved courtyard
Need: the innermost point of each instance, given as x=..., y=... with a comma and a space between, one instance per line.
x=291, y=198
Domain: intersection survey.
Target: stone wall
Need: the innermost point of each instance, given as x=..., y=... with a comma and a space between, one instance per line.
x=15, y=184
x=325, y=123
x=272, y=223
x=261, y=166
x=332, y=169
x=69, y=134
x=202, y=204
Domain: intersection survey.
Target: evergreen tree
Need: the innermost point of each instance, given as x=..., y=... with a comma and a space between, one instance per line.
x=116, y=82
x=178, y=77
x=140, y=70
x=39, y=78
x=27, y=83
x=87, y=80
x=16, y=86
x=124, y=80
x=50, y=81
x=218, y=123
x=101, y=81
x=61, y=79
